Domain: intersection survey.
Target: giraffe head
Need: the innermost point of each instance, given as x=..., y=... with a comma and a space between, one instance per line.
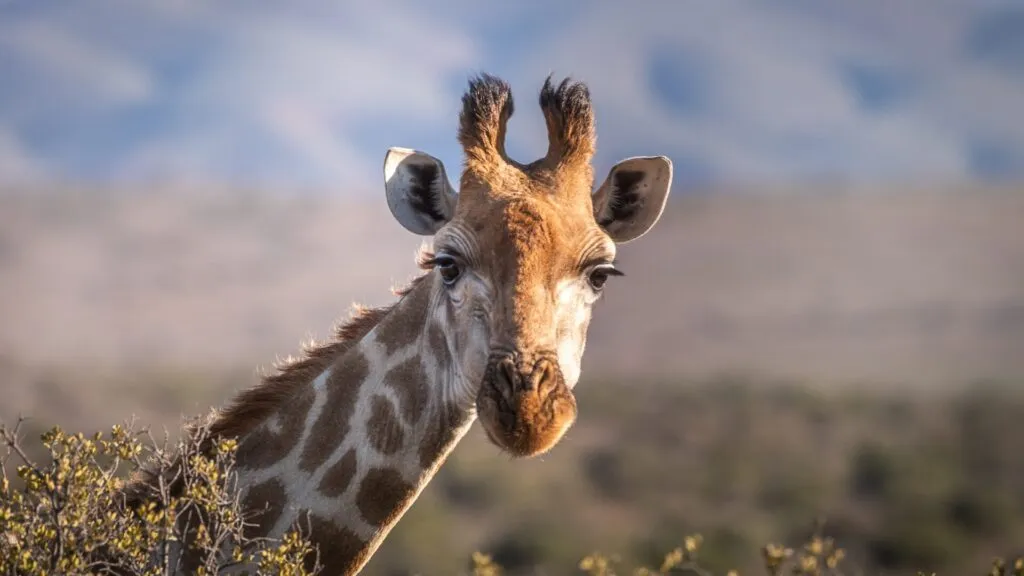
x=521, y=253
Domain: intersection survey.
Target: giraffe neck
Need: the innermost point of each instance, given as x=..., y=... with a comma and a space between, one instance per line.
x=347, y=454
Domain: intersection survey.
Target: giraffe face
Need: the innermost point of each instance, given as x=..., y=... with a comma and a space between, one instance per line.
x=521, y=255
x=517, y=278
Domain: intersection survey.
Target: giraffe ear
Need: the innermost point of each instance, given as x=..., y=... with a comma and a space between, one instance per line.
x=632, y=197
x=419, y=194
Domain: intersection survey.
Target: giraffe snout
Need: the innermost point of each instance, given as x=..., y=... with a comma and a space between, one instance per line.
x=525, y=406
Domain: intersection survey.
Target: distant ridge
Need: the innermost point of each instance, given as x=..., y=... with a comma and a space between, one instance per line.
x=903, y=285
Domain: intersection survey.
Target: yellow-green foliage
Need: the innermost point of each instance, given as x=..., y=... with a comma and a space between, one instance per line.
x=69, y=516
x=819, y=557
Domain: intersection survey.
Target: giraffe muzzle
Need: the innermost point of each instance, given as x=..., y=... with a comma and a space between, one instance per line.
x=525, y=406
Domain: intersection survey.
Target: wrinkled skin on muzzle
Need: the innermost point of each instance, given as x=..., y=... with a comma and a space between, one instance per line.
x=524, y=404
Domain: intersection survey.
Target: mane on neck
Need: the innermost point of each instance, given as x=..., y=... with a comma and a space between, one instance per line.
x=254, y=405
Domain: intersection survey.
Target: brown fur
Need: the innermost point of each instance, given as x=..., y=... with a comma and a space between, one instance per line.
x=542, y=237
x=527, y=418
x=487, y=106
x=382, y=495
x=440, y=434
x=339, y=476
x=332, y=425
x=437, y=342
x=256, y=404
x=264, y=504
x=340, y=551
x=572, y=139
x=409, y=382
x=264, y=447
x=402, y=332
x=383, y=428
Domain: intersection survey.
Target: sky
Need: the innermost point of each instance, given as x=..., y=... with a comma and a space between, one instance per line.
x=309, y=95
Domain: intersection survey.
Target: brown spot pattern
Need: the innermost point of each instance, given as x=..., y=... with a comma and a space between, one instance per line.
x=382, y=495
x=289, y=387
x=436, y=341
x=383, y=428
x=439, y=434
x=400, y=330
x=333, y=422
x=409, y=381
x=255, y=405
x=338, y=477
x=263, y=448
x=341, y=551
x=263, y=505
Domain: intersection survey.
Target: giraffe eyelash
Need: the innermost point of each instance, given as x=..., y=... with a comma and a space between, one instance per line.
x=426, y=259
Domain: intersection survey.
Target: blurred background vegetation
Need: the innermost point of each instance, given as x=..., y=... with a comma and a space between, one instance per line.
x=902, y=480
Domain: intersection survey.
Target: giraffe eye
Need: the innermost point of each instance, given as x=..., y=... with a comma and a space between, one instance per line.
x=448, y=268
x=598, y=276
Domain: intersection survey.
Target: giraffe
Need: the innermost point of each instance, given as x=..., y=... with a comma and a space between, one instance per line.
x=493, y=329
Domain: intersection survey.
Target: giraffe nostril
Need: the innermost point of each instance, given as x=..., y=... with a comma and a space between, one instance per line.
x=507, y=377
x=507, y=369
x=525, y=405
x=544, y=377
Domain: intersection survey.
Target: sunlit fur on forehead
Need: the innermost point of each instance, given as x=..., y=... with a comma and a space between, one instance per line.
x=558, y=240
x=486, y=108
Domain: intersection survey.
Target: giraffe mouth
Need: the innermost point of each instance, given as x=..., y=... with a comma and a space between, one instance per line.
x=525, y=408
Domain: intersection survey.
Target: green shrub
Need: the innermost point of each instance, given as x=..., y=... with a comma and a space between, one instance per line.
x=71, y=516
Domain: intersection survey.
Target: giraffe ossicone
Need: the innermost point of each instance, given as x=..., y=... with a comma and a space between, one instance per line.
x=344, y=439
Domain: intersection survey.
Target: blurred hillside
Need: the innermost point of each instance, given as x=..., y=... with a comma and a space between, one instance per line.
x=709, y=400
x=904, y=481
x=911, y=286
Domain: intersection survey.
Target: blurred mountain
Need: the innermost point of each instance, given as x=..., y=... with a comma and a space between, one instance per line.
x=915, y=286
